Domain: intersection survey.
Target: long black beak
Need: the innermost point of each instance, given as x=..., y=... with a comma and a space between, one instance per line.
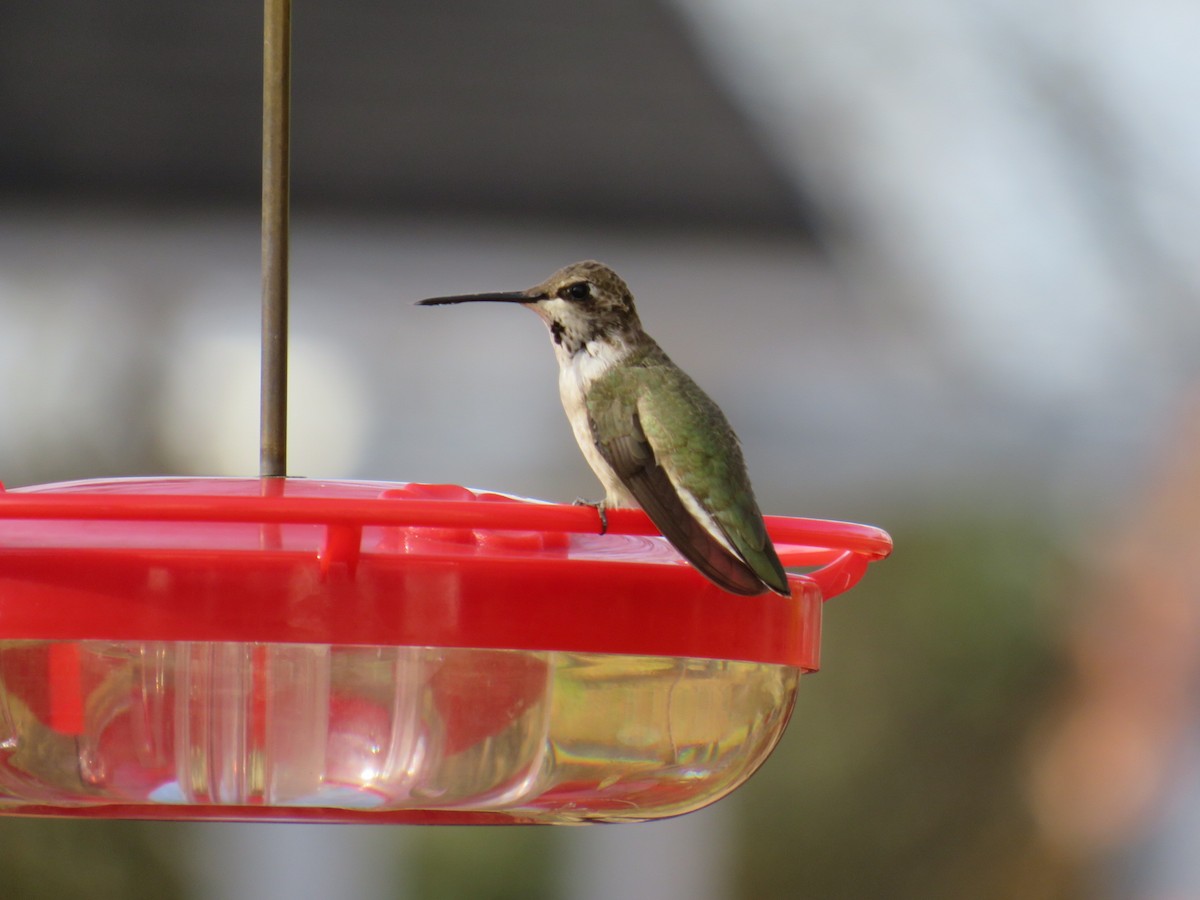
x=502, y=297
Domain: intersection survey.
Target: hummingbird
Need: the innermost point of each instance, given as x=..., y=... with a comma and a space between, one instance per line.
x=651, y=435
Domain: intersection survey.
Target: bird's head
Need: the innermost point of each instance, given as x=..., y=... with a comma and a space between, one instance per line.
x=581, y=303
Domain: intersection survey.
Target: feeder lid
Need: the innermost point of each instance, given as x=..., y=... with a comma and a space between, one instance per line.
x=345, y=562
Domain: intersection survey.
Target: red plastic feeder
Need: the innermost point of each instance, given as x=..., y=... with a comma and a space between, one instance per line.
x=348, y=651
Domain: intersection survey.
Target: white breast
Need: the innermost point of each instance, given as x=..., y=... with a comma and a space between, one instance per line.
x=575, y=374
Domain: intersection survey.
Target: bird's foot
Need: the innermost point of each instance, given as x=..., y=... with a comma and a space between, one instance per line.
x=598, y=506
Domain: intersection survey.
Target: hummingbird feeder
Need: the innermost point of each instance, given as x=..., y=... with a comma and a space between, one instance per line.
x=288, y=649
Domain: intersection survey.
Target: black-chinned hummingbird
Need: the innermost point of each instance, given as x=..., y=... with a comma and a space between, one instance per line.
x=651, y=435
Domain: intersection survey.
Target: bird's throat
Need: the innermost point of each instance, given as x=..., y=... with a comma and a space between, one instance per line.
x=586, y=361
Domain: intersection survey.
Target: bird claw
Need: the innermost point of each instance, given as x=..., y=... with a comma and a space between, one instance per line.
x=598, y=507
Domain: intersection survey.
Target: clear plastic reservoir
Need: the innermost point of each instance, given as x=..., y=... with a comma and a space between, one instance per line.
x=540, y=736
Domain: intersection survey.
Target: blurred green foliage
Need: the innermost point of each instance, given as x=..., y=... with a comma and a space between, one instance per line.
x=59, y=858
x=902, y=772
x=485, y=863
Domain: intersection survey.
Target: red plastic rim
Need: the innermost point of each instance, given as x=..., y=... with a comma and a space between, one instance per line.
x=295, y=560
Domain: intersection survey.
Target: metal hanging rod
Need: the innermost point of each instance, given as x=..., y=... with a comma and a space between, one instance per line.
x=277, y=76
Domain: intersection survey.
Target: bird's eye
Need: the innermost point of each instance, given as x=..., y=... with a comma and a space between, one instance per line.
x=580, y=290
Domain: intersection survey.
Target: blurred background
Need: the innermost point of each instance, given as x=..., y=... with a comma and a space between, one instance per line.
x=936, y=260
